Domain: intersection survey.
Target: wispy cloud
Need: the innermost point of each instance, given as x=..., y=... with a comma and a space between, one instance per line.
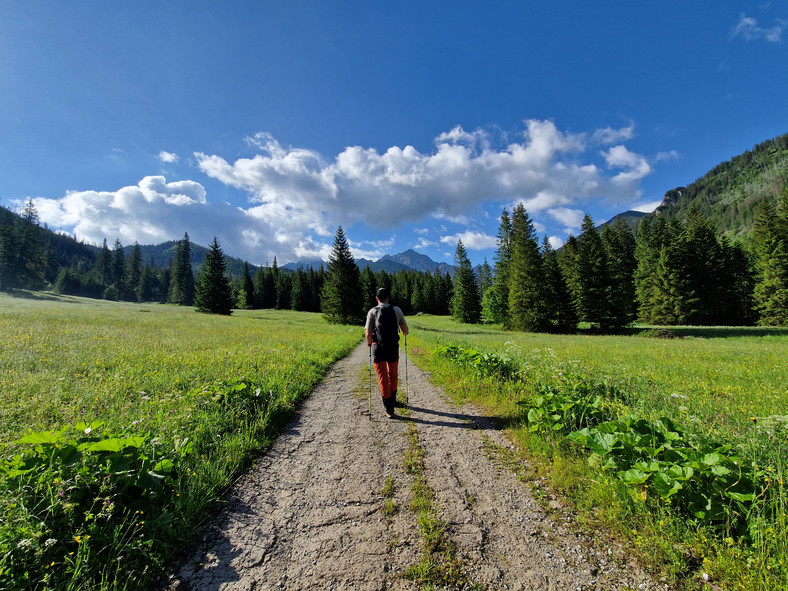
x=168, y=157
x=748, y=29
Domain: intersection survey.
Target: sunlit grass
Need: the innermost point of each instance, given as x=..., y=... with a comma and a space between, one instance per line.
x=204, y=393
x=729, y=387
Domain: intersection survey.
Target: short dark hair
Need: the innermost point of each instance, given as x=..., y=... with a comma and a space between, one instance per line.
x=382, y=294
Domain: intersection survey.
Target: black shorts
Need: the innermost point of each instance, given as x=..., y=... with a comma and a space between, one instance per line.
x=383, y=353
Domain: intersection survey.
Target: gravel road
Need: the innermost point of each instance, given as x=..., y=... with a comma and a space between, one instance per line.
x=310, y=514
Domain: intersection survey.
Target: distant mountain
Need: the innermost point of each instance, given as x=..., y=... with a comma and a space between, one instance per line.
x=420, y=262
x=410, y=260
x=631, y=217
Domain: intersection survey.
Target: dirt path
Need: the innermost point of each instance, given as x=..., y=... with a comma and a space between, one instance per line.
x=310, y=515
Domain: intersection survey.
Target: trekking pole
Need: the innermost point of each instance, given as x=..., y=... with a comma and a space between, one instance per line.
x=369, y=398
x=407, y=383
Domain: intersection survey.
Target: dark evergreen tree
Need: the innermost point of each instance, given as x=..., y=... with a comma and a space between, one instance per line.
x=497, y=309
x=9, y=249
x=104, y=266
x=119, y=268
x=465, y=304
x=342, y=300
x=182, y=277
x=593, y=273
x=527, y=298
x=368, y=287
x=771, y=251
x=148, y=286
x=212, y=289
x=619, y=242
x=33, y=261
x=560, y=309
x=134, y=272
x=300, y=293
x=246, y=297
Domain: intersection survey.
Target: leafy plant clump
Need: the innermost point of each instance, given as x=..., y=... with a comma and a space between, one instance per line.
x=87, y=507
x=708, y=485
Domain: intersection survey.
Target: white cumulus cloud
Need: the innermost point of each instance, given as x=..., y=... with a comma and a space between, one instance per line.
x=296, y=197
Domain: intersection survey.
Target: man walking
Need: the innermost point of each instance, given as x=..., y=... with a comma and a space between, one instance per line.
x=384, y=322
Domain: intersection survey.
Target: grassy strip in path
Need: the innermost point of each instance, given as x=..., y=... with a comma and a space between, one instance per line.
x=439, y=566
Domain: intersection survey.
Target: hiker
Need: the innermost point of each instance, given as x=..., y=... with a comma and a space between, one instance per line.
x=384, y=322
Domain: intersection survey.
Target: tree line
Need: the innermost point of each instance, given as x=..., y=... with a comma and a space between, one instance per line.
x=675, y=272
x=670, y=272
x=34, y=258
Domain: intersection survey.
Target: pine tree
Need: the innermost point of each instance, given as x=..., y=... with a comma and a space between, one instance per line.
x=560, y=310
x=466, y=303
x=182, y=277
x=212, y=289
x=118, y=271
x=771, y=287
x=134, y=272
x=246, y=295
x=498, y=300
x=527, y=297
x=104, y=266
x=594, y=302
x=368, y=287
x=619, y=242
x=342, y=299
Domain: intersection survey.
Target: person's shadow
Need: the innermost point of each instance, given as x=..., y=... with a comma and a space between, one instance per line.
x=450, y=419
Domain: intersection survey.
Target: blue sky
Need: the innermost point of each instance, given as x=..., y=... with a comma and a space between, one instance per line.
x=410, y=124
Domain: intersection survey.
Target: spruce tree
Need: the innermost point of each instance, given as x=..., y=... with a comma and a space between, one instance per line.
x=134, y=272
x=119, y=270
x=498, y=300
x=342, y=300
x=368, y=287
x=771, y=251
x=466, y=303
x=212, y=289
x=619, y=244
x=104, y=266
x=33, y=260
x=246, y=296
x=594, y=302
x=560, y=309
x=182, y=277
x=527, y=298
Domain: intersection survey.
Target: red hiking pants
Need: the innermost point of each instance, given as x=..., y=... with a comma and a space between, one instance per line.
x=387, y=376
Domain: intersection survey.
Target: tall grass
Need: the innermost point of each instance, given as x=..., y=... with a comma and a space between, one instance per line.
x=718, y=391
x=121, y=424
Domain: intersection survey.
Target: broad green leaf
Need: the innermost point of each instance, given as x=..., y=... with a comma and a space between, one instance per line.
x=665, y=486
x=602, y=443
x=45, y=437
x=164, y=467
x=633, y=476
x=720, y=470
x=711, y=459
x=680, y=473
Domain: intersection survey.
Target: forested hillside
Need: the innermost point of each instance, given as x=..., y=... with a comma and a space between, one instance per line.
x=729, y=194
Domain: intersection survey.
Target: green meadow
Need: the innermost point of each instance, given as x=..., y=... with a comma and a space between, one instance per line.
x=121, y=424
x=677, y=446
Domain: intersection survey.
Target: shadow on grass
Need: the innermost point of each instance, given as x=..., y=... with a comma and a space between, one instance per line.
x=41, y=296
x=709, y=332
